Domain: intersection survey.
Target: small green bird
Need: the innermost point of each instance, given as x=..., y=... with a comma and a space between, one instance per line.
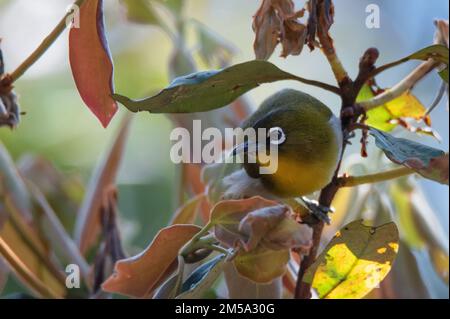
x=309, y=140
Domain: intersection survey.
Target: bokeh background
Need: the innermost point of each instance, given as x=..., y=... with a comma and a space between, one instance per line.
x=59, y=127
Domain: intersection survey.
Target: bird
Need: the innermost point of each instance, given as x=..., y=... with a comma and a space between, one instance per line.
x=309, y=140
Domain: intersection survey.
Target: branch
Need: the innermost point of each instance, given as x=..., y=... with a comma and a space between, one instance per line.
x=336, y=65
x=404, y=85
x=40, y=50
x=319, y=84
x=351, y=181
x=349, y=90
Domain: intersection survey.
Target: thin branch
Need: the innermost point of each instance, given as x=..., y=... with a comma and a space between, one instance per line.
x=349, y=90
x=404, y=85
x=351, y=181
x=302, y=289
x=387, y=66
x=40, y=50
x=319, y=84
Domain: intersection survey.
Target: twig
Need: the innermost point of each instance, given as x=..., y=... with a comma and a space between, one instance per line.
x=319, y=84
x=404, y=85
x=40, y=50
x=351, y=181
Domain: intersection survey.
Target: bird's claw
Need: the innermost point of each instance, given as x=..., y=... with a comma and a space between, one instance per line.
x=319, y=211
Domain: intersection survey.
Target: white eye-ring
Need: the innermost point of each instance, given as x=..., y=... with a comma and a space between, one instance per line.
x=276, y=136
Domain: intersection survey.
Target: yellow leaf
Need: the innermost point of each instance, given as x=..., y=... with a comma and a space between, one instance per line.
x=355, y=261
x=386, y=117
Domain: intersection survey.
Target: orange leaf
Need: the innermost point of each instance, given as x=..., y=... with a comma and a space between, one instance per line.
x=138, y=276
x=91, y=62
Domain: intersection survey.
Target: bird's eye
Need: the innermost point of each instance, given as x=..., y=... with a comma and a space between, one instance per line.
x=276, y=136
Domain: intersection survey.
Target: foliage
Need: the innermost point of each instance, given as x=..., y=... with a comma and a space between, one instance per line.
x=264, y=247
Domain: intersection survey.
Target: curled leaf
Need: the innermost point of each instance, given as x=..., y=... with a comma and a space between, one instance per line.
x=266, y=24
x=207, y=90
x=257, y=222
x=355, y=261
x=276, y=21
x=429, y=162
x=202, y=278
x=261, y=265
x=91, y=62
x=139, y=276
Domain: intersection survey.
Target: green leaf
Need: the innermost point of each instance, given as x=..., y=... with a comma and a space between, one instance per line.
x=438, y=52
x=208, y=90
x=261, y=265
x=202, y=278
x=140, y=11
x=355, y=261
x=429, y=162
x=444, y=74
x=175, y=6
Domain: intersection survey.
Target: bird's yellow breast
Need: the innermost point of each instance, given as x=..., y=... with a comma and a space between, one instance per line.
x=293, y=178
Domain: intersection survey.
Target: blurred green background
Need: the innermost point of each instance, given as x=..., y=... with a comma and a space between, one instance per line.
x=59, y=127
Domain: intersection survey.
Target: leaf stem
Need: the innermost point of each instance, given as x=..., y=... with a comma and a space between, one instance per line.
x=351, y=181
x=42, y=48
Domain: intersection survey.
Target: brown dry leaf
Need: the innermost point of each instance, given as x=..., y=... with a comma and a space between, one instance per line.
x=266, y=25
x=321, y=18
x=276, y=21
x=140, y=275
x=293, y=38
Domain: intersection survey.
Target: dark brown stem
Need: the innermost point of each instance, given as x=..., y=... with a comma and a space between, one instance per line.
x=348, y=91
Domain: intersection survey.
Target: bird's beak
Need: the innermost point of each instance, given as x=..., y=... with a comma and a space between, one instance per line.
x=245, y=148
